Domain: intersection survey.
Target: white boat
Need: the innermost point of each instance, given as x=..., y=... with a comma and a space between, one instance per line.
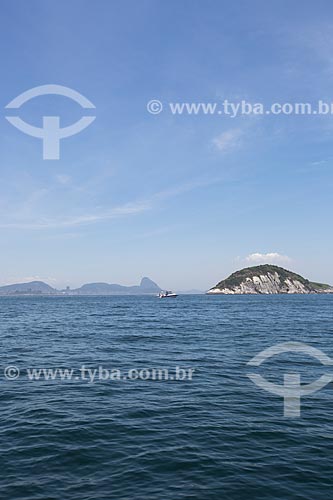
x=166, y=294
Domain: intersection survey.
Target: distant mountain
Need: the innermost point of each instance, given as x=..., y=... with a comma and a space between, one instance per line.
x=34, y=287
x=147, y=286
x=98, y=289
x=267, y=279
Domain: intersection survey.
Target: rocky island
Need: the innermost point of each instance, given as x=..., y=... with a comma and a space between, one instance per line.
x=267, y=279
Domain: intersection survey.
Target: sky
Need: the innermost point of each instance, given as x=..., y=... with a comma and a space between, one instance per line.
x=184, y=199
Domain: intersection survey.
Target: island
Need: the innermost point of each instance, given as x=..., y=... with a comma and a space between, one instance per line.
x=267, y=279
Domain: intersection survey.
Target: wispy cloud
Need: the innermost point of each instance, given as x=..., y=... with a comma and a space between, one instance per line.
x=267, y=258
x=127, y=209
x=63, y=222
x=228, y=140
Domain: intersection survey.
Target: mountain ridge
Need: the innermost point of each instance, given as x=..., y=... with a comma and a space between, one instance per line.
x=146, y=286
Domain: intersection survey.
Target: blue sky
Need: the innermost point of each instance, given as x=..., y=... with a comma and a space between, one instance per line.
x=183, y=199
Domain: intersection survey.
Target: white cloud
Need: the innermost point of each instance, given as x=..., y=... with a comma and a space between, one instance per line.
x=228, y=140
x=267, y=258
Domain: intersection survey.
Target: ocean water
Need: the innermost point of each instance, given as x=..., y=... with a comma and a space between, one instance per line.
x=217, y=436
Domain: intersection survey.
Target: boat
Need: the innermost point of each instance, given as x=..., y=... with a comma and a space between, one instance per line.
x=166, y=294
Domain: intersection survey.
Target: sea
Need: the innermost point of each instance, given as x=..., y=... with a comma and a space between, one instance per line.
x=136, y=398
